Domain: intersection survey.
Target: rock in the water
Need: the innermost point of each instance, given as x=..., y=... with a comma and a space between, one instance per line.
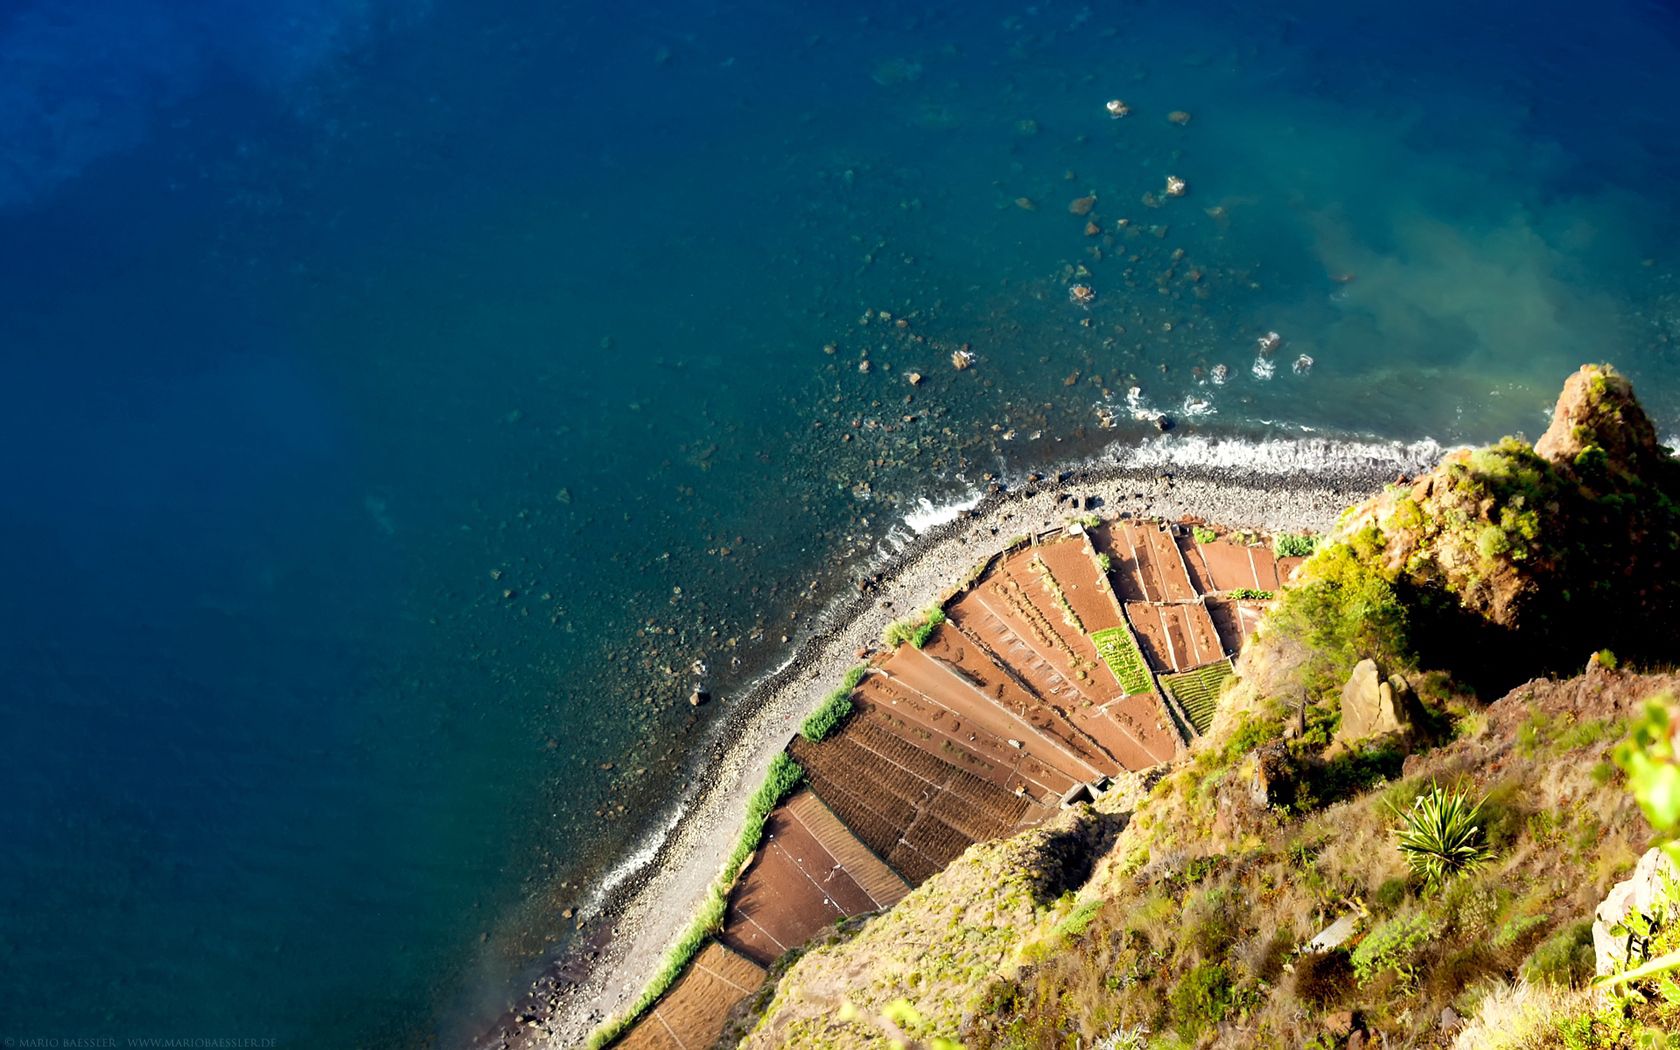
x=1083, y=205
x=1641, y=893
x=1372, y=706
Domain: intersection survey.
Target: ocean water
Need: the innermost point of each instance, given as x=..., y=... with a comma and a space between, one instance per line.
x=400, y=398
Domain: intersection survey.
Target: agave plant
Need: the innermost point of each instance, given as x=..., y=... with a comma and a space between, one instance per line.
x=1441, y=836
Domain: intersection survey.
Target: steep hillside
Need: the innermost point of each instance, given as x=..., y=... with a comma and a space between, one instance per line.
x=1257, y=895
x=1542, y=552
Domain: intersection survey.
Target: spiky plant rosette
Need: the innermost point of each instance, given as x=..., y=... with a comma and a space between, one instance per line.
x=1441, y=836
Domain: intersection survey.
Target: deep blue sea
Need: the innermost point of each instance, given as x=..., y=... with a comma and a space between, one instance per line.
x=398, y=398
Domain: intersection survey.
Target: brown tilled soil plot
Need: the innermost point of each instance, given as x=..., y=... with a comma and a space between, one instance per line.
x=1147, y=564
x=934, y=729
x=797, y=884
x=912, y=808
x=988, y=622
x=1133, y=728
x=988, y=727
x=1074, y=565
x=1026, y=629
x=1175, y=637
x=965, y=659
x=1235, y=621
x=1195, y=564
x=693, y=1012
x=1232, y=566
x=1143, y=717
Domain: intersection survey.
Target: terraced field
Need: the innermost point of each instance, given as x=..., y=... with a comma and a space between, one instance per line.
x=694, y=1011
x=1035, y=685
x=809, y=873
x=1232, y=566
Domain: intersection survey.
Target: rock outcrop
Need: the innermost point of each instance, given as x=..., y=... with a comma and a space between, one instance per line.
x=1642, y=893
x=1515, y=555
x=1598, y=414
x=1373, y=706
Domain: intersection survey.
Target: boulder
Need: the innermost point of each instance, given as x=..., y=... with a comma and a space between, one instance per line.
x=1373, y=706
x=1644, y=893
x=1334, y=935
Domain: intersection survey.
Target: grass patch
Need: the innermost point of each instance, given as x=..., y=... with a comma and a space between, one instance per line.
x=1204, y=534
x=779, y=782
x=1079, y=919
x=1119, y=651
x=835, y=707
x=913, y=629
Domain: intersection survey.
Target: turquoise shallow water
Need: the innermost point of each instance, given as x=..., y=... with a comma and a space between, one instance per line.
x=393, y=398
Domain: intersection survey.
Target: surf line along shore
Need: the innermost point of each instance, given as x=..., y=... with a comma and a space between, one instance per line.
x=632, y=933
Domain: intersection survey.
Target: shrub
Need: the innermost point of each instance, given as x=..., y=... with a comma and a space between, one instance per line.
x=1392, y=892
x=1343, y=610
x=1321, y=977
x=931, y=619
x=1392, y=947
x=1441, y=837
x=1104, y=562
x=834, y=708
x=1200, y=999
x=1205, y=535
x=898, y=632
x=1566, y=958
x=1250, y=594
x=1294, y=544
x=913, y=629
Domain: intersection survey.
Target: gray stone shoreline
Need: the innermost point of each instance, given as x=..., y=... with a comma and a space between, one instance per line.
x=655, y=907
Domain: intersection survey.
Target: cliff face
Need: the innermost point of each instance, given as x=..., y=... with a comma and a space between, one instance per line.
x=1545, y=553
x=1255, y=896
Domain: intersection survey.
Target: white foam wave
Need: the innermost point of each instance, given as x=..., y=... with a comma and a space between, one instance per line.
x=1138, y=405
x=1281, y=456
x=1198, y=407
x=929, y=515
x=642, y=856
x=1263, y=368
